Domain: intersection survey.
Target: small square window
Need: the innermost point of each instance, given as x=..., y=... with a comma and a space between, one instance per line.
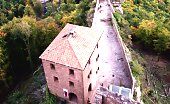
x=55, y=79
x=71, y=71
x=52, y=66
x=71, y=84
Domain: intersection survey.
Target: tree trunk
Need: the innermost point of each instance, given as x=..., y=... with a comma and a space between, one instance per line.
x=59, y=3
x=52, y=5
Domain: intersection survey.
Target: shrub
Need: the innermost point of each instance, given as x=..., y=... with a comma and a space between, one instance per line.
x=137, y=71
x=18, y=97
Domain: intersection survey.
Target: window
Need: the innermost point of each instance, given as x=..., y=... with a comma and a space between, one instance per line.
x=90, y=88
x=71, y=71
x=52, y=66
x=97, y=57
x=97, y=45
x=89, y=61
x=97, y=70
x=89, y=74
x=55, y=79
x=71, y=84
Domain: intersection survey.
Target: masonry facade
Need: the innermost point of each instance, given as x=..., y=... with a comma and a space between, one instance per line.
x=70, y=63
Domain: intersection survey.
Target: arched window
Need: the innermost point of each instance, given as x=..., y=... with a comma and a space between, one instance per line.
x=73, y=97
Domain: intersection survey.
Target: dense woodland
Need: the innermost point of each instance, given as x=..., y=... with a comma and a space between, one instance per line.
x=148, y=22
x=26, y=28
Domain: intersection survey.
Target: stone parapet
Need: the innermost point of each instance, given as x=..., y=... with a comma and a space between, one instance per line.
x=104, y=96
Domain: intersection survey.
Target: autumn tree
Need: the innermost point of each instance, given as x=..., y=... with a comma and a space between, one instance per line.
x=29, y=11
x=31, y=37
x=38, y=8
x=5, y=78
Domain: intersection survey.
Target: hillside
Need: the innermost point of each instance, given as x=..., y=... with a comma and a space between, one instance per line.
x=145, y=28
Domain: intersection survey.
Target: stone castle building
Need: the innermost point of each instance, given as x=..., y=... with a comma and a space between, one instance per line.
x=70, y=63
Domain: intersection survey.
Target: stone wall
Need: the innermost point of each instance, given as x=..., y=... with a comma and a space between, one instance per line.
x=90, y=75
x=104, y=96
x=124, y=49
x=58, y=81
x=95, y=16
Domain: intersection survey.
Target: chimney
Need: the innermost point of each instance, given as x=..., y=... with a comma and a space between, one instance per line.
x=72, y=33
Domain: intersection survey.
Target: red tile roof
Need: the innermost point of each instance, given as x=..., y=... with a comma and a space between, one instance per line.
x=73, y=51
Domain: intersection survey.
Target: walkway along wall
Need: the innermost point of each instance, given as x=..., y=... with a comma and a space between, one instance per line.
x=124, y=48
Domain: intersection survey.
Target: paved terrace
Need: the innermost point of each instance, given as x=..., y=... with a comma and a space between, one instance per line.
x=112, y=63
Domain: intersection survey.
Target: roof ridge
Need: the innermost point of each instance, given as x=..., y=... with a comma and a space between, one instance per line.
x=74, y=53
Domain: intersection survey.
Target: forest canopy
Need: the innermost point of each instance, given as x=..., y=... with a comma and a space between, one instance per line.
x=148, y=22
x=27, y=27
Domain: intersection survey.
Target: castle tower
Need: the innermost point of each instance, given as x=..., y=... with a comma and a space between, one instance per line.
x=70, y=63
